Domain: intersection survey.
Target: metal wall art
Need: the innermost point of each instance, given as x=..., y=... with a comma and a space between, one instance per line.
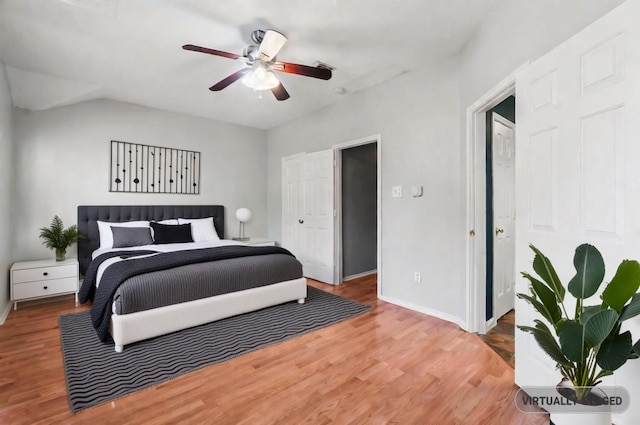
x=153, y=169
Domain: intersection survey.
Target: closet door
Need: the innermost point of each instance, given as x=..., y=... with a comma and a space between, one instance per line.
x=291, y=204
x=308, y=212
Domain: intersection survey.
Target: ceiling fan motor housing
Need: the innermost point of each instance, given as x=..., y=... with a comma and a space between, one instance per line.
x=257, y=36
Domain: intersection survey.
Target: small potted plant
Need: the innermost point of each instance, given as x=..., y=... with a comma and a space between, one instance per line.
x=586, y=341
x=58, y=238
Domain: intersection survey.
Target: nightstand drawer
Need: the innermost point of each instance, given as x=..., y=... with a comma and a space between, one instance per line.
x=44, y=288
x=259, y=242
x=44, y=273
x=266, y=243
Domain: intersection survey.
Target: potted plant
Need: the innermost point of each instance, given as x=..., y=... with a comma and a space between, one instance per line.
x=58, y=238
x=586, y=341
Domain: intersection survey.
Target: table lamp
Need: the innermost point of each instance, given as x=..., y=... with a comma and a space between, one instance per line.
x=243, y=215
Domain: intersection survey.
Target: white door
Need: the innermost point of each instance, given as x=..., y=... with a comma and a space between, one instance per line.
x=577, y=173
x=308, y=212
x=291, y=204
x=317, y=215
x=504, y=214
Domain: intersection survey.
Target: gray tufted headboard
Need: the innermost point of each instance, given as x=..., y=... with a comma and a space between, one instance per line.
x=88, y=215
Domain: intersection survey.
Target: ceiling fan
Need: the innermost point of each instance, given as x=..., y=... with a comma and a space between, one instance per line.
x=260, y=61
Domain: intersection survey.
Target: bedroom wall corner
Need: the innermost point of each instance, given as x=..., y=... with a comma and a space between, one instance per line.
x=517, y=31
x=63, y=160
x=416, y=115
x=7, y=235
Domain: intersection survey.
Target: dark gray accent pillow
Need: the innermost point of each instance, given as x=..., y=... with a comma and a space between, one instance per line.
x=131, y=236
x=171, y=233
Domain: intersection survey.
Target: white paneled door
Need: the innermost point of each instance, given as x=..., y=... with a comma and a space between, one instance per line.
x=502, y=168
x=577, y=172
x=291, y=204
x=308, y=212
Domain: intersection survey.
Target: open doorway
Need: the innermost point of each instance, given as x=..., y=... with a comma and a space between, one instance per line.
x=358, y=213
x=500, y=210
x=357, y=181
x=312, y=211
x=481, y=218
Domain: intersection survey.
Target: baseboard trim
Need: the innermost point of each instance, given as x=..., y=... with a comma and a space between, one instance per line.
x=425, y=310
x=5, y=313
x=490, y=324
x=358, y=275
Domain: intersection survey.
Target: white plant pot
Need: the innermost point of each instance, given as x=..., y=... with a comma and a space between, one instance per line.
x=581, y=418
x=585, y=417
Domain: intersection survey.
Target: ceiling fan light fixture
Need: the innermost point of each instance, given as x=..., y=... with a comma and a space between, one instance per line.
x=260, y=78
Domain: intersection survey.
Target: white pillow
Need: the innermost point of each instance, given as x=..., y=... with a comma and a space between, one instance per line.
x=202, y=229
x=106, y=235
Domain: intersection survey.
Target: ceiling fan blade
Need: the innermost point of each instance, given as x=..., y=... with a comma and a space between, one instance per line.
x=211, y=51
x=307, y=71
x=230, y=79
x=271, y=44
x=280, y=92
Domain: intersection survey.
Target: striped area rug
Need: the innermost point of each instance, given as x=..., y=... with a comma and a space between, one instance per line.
x=96, y=373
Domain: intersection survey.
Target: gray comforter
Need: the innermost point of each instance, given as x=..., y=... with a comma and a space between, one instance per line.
x=139, y=284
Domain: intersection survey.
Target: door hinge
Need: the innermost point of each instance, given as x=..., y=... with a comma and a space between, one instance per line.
x=472, y=233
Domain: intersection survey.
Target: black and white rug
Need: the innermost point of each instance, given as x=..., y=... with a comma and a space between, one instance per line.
x=96, y=373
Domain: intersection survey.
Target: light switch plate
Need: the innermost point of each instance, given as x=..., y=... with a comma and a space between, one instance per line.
x=396, y=192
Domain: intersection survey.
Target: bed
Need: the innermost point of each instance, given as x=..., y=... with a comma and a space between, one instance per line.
x=259, y=277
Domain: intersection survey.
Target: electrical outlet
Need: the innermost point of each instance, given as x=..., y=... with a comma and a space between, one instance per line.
x=417, y=277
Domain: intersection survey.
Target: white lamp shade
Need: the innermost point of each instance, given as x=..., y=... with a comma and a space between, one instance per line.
x=271, y=45
x=243, y=214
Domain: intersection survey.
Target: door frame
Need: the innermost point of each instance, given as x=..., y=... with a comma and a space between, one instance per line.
x=376, y=138
x=476, y=200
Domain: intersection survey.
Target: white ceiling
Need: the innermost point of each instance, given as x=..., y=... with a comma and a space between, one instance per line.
x=60, y=52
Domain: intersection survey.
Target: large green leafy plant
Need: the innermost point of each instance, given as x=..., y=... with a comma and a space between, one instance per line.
x=588, y=344
x=58, y=238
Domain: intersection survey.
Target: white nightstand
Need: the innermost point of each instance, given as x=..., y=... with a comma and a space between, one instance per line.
x=43, y=278
x=259, y=242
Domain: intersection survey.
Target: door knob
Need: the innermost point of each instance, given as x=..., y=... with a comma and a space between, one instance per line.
x=300, y=221
x=499, y=230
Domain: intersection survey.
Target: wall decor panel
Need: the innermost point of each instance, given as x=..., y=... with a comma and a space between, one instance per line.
x=153, y=169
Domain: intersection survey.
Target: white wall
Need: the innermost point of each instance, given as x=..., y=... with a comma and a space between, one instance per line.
x=417, y=116
x=63, y=160
x=6, y=188
x=421, y=117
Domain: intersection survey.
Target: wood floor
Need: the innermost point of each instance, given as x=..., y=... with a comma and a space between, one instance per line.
x=388, y=366
x=501, y=338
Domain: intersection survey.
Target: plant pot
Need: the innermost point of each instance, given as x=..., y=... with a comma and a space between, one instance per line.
x=593, y=401
x=581, y=418
x=60, y=254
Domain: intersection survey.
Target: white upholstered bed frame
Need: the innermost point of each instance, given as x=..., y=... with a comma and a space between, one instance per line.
x=129, y=328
